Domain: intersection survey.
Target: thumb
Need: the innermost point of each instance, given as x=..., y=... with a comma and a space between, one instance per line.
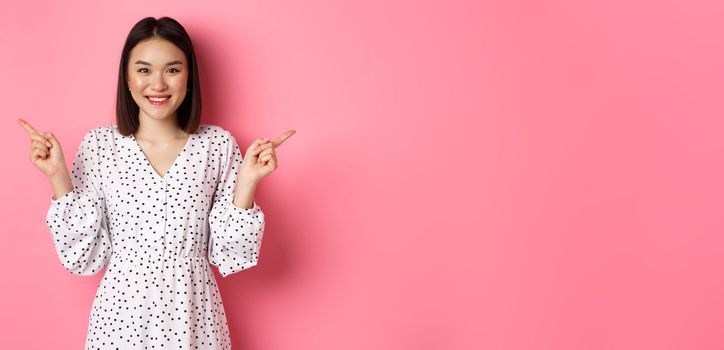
x=52, y=139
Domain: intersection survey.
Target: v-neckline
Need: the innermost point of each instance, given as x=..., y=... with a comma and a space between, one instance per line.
x=148, y=162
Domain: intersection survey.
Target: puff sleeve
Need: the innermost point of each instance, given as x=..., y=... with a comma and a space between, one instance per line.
x=77, y=220
x=235, y=234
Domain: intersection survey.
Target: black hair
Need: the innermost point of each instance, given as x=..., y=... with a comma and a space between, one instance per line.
x=189, y=112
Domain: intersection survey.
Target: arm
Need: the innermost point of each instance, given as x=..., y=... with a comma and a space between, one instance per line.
x=61, y=183
x=244, y=195
x=236, y=222
x=77, y=218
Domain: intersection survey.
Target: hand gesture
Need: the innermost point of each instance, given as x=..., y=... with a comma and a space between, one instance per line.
x=45, y=151
x=260, y=159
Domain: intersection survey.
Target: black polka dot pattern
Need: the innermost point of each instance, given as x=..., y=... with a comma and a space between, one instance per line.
x=157, y=237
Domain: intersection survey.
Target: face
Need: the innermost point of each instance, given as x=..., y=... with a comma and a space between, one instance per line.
x=157, y=76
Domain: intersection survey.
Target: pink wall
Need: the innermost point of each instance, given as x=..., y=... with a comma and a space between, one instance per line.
x=465, y=175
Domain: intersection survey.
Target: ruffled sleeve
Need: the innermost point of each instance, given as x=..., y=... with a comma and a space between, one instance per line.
x=235, y=234
x=77, y=220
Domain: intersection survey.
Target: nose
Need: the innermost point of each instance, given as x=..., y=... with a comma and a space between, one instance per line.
x=157, y=82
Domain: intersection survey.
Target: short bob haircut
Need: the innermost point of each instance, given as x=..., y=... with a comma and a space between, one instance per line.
x=189, y=112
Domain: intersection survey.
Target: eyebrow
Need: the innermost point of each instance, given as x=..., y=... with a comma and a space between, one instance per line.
x=168, y=64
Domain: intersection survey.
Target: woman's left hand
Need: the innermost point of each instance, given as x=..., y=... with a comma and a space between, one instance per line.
x=260, y=159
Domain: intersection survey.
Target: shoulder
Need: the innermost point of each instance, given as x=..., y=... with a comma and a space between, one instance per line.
x=103, y=135
x=97, y=134
x=213, y=131
x=102, y=131
x=216, y=134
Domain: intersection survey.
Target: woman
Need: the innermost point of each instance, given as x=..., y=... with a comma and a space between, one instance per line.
x=152, y=197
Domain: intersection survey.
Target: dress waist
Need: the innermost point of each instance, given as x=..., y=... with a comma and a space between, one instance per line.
x=134, y=255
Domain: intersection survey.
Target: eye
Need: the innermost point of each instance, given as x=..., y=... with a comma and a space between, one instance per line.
x=142, y=69
x=174, y=69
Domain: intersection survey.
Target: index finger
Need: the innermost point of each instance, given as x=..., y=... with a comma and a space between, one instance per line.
x=281, y=138
x=27, y=126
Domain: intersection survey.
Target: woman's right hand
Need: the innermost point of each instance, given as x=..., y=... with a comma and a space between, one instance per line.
x=45, y=152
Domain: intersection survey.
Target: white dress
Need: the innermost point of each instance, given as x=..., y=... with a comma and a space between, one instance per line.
x=154, y=234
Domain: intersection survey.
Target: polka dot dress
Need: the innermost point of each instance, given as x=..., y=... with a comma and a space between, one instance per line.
x=156, y=236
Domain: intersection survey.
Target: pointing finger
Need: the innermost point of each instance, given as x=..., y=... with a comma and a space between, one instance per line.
x=281, y=138
x=27, y=126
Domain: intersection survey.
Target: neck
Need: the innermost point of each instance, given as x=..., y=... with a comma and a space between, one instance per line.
x=158, y=129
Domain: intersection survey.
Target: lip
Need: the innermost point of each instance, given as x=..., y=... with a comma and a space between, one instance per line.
x=155, y=103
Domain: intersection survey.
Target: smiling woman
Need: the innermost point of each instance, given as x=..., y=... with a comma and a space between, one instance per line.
x=158, y=77
x=164, y=82
x=156, y=200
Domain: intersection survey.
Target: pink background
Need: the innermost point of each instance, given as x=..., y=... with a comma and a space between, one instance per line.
x=465, y=174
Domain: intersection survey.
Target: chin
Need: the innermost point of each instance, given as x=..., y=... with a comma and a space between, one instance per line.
x=158, y=115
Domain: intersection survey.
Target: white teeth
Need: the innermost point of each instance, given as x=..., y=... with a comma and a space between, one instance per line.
x=158, y=99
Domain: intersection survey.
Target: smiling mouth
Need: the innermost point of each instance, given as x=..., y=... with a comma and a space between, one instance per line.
x=158, y=100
